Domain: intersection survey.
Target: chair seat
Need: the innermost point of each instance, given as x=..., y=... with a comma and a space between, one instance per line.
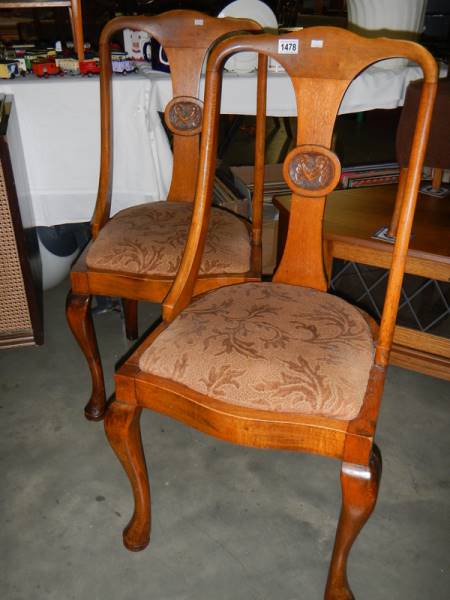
x=149, y=239
x=269, y=346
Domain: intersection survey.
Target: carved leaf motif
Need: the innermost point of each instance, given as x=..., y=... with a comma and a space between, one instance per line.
x=311, y=170
x=185, y=116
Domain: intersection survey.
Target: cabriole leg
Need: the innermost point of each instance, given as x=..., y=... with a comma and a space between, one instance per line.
x=78, y=311
x=359, y=495
x=124, y=434
x=130, y=314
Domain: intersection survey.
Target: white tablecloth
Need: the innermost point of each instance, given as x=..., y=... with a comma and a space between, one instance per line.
x=376, y=87
x=59, y=126
x=58, y=121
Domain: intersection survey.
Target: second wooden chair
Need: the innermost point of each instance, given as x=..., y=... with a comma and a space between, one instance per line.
x=135, y=255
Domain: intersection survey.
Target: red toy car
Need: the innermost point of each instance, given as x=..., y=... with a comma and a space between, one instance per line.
x=89, y=67
x=45, y=68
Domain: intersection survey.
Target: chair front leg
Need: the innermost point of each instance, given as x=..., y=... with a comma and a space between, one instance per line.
x=359, y=495
x=78, y=311
x=124, y=434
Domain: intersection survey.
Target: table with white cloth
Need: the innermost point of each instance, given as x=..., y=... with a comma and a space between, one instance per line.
x=58, y=120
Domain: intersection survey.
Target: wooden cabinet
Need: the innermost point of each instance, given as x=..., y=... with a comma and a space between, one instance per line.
x=20, y=269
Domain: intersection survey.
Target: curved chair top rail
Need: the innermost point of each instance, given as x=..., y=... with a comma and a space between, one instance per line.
x=325, y=62
x=340, y=53
x=186, y=37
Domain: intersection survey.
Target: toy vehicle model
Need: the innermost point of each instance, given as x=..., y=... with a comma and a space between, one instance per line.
x=89, y=67
x=32, y=55
x=45, y=68
x=68, y=65
x=8, y=69
x=121, y=63
x=21, y=65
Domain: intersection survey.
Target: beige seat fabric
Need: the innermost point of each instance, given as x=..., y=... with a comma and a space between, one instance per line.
x=150, y=238
x=269, y=346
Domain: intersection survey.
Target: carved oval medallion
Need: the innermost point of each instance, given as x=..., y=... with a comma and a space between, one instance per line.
x=183, y=115
x=311, y=170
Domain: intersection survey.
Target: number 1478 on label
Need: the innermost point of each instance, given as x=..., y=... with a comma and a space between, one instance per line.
x=287, y=47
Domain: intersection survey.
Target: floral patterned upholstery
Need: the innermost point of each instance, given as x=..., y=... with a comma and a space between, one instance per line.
x=269, y=346
x=149, y=239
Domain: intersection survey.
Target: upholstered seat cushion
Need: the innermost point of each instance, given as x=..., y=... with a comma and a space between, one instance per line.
x=269, y=346
x=150, y=238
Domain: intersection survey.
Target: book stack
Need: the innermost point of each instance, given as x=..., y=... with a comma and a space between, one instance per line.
x=351, y=177
x=226, y=196
x=369, y=175
x=274, y=183
x=233, y=190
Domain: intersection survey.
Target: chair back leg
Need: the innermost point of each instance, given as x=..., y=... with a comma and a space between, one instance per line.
x=437, y=179
x=130, y=315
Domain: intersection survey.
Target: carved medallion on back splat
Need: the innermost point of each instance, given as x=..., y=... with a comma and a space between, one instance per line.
x=183, y=115
x=311, y=170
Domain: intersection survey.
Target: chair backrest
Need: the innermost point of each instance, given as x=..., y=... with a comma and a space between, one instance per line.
x=186, y=37
x=321, y=62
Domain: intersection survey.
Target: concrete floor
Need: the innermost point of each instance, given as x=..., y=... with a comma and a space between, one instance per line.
x=228, y=522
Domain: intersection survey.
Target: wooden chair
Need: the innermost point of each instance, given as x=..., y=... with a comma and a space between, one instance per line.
x=135, y=255
x=279, y=364
x=76, y=20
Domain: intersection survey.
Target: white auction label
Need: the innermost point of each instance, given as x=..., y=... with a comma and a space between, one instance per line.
x=287, y=46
